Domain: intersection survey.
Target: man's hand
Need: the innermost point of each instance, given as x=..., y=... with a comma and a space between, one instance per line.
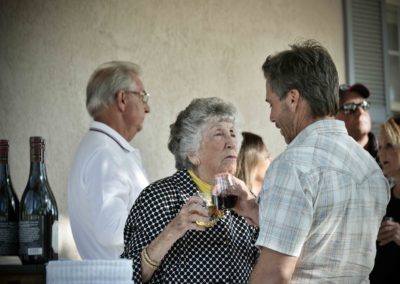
x=246, y=205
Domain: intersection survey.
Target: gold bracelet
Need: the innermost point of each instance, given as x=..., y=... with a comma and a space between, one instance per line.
x=152, y=263
x=147, y=262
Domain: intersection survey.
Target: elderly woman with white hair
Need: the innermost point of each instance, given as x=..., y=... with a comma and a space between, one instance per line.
x=165, y=234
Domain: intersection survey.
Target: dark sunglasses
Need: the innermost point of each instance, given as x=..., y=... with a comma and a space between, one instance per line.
x=352, y=107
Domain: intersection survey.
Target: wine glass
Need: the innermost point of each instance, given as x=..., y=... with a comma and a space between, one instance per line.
x=223, y=200
x=211, y=207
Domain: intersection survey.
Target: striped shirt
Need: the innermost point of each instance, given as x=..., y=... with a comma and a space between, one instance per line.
x=322, y=201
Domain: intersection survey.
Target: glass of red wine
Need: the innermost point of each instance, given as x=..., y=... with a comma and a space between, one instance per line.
x=223, y=200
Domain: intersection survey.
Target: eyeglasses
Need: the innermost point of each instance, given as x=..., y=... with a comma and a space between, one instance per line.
x=143, y=94
x=352, y=107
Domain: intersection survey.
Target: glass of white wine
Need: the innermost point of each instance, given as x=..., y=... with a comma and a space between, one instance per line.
x=213, y=211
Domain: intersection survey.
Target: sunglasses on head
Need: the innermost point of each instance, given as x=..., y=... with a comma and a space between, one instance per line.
x=352, y=107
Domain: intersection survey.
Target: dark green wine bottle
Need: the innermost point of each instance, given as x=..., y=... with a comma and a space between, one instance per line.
x=38, y=222
x=9, y=206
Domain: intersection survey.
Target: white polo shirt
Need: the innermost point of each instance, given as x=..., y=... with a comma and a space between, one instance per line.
x=105, y=179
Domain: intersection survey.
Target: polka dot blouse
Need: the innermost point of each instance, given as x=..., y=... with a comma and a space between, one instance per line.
x=224, y=253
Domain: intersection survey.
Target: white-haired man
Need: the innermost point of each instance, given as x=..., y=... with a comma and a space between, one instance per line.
x=106, y=174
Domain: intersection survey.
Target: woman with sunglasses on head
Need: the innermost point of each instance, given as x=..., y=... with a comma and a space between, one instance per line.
x=387, y=261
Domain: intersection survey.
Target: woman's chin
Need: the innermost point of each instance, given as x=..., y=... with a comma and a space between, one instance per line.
x=228, y=170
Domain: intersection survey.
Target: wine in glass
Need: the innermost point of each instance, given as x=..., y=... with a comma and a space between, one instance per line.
x=223, y=200
x=213, y=212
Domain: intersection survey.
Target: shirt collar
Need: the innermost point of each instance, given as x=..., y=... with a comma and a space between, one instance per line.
x=107, y=130
x=202, y=185
x=320, y=126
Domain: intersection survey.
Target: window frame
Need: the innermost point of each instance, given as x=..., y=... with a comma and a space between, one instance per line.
x=370, y=66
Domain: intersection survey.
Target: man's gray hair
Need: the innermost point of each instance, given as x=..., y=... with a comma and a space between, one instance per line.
x=186, y=132
x=106, y=81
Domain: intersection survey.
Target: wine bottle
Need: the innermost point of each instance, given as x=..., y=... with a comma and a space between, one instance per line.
x=9, y=206
x=38, y=222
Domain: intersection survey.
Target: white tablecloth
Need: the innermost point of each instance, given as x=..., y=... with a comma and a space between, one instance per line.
x=117, y=271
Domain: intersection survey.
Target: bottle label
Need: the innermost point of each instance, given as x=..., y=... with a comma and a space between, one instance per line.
x=8, y=238
x=31, y=240
x=54, y=236
x=35, y=251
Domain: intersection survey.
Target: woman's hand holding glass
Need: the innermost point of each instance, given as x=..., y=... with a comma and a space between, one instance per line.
x=193, y=211
x=212, y=211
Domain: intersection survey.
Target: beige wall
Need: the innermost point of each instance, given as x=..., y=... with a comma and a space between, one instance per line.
x=187, y=49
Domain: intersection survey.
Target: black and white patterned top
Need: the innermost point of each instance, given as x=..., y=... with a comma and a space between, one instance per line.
x=224, y=253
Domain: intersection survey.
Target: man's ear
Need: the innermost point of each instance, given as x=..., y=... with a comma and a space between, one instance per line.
x=121, y=99
x=293, y=99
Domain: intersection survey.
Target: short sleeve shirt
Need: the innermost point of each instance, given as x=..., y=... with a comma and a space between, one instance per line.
x=105, y=179
x=322, y=201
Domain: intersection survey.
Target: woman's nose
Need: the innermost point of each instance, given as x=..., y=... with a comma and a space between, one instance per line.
x=231, y=143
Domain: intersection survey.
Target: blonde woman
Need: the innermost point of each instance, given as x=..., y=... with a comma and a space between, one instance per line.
x=386, y=269
x=253, y=161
